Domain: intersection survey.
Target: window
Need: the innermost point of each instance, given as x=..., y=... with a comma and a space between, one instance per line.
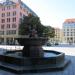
x=8, y=19
x=13, y=25
x=14, y=19
x=67, y=29
x=14, y=6
x=71, y=38
x=3, y=8
x=71, y=29
x=14, y=13
x=8, y=25
x=67, y=33
x=2, y=20
x=3, y=14
x=1, y=32
x=71, y=34
x=10, y=32
x=2, y=26
x=13, y=31
x=8, y=7
x=8, y=13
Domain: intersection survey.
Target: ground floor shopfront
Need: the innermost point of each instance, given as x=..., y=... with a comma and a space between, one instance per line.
x=7, y=40
x=70, y=40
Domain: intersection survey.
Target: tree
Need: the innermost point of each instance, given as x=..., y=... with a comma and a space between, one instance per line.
x=33, y=22
x=49, y=31
x=23, y=26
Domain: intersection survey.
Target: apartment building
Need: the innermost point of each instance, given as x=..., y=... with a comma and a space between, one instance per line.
x=58, y=36
x=11, y=12
x=69, y=31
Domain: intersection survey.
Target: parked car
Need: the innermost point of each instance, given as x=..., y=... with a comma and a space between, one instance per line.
x=48, y=44
x=56, y=43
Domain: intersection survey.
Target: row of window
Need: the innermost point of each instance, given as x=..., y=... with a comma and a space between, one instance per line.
x=8, y=8
x=13, y=7
x=69, y=29
x=14, y=14
x=69, y=34
x=8, y=20
x=8, y=14
x=8, y=32
x=8, y=26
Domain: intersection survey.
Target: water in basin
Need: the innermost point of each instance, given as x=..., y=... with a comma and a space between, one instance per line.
x=49, y=54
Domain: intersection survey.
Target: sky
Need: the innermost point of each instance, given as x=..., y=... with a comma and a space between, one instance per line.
x=52, y=12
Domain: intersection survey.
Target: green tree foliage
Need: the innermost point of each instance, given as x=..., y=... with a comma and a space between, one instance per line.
x=33, y=22
x=49, y=31
x=23, y=26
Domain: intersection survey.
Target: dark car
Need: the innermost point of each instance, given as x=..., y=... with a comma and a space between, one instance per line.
x=48, y=44
x=56, y=43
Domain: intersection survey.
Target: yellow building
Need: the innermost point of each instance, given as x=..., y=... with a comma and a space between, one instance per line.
x=58, y=36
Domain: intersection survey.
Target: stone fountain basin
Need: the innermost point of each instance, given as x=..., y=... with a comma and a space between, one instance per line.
x=14, y=62
x=50, y=57
x=36, y=59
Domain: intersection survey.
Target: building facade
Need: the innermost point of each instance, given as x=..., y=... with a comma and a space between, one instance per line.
x=69, y=31
x=58, y=36
x=11, y=12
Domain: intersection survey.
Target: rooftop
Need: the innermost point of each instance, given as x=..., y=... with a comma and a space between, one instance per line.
x=11, y=2
x=70, y=20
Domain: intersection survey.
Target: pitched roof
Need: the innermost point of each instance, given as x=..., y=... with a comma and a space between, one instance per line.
x=70, y=20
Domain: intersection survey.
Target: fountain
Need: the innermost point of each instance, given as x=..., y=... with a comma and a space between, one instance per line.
x=32, y=58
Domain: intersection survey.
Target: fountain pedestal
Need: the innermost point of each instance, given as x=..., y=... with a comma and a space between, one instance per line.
x=32, y=51
x=32, y=46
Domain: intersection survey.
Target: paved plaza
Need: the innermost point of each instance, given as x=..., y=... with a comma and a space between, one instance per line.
x=69, y=52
